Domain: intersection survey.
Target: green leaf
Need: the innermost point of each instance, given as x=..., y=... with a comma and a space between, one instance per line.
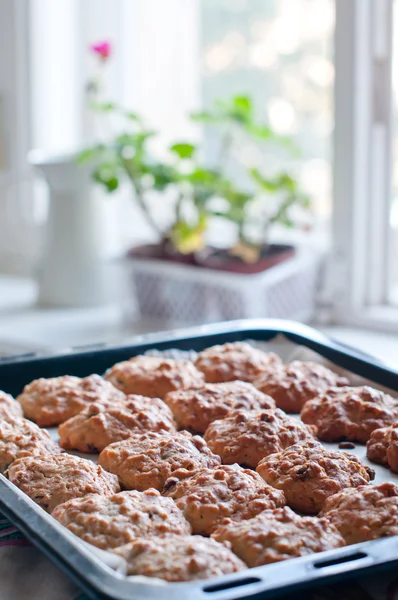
x=163, y=175
x=103, y=106
x=243, y=104
x=134, y=139
x=262, y=132
x=183, y=150
x=106, y=175
x=204, y=117
x=267, y=185
x=286, y=182
x=89, y=154
x=133, y=116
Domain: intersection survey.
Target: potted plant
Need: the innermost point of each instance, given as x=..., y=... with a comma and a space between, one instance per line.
x=226, y=188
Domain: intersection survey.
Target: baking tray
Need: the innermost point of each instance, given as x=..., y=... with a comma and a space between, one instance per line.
x=101, y=579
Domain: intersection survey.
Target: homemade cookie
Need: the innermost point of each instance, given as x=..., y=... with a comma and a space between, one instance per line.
x=9, y=408
x=146, y=460
x=55, y=478
x=208, y=496
x=98, y=426
x=292, y=385
x=179, y=558
x=50, y=402
x=233, y=361
x=382, y=446
x=350, y=413
x=308, y=474
x=276, y=535
x=21, y=437
x=111, y=521
x=246, y=437
x=153, y=376
x=196, y=408
x=365, y=513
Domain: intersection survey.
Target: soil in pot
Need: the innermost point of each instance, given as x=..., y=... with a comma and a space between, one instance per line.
x=216, y=259
x=222, y=260
x=161, y=251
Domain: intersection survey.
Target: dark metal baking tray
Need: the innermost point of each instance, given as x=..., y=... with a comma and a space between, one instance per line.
x=100, y=581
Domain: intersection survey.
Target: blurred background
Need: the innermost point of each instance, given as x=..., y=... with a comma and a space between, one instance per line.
x=164, y=164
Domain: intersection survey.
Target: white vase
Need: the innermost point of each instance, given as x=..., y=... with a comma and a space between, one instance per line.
x=74, y=269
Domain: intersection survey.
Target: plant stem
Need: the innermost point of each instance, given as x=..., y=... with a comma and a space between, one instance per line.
x=266, y=228
x=225, y=144
x=140, y=200
x=178, y=208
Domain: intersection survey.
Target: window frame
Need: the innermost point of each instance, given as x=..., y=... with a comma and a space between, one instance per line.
x=360, y=269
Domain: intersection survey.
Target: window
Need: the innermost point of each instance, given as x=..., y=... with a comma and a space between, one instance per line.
x=318, y=70
x=281, y=52
x=363, y=258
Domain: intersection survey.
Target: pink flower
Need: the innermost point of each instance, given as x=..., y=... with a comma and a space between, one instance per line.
x=102, y=49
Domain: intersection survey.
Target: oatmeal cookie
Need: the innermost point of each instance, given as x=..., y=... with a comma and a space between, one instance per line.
x=196, y=408
x=208, y=496
x=276, y=535
x=9, y=408
x=350, y=413
x=49, y=402
x=365, y=513
x=146, y=460
x=111, y=521
x=153, y=376
x=52, y=479
x=246, y=437
x=308, y=474
x=292, y=385
x=98, y=426
x=233, y=361
x=21, y=437
x=382, y=446
x=179, y=558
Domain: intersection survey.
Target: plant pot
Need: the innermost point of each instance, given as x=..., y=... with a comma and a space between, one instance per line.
x=221, y=260
x=179, y=294
x=73, y=269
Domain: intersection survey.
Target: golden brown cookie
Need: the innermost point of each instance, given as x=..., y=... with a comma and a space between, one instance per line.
x=350, y=413
x=9, y=408
x=21, y=437
x=111, y=521
x=292, y=385
x=52, y=479
x=179, y=558
x=382, y=446
x=146, y=460
x=308, y=474
x=276, y=535
x=50, y=402
x=208, y=496
x=153, y=376
x=246, y=437
x=365, y=513
x=233, y=361
x=195, y=408
x=98, y=426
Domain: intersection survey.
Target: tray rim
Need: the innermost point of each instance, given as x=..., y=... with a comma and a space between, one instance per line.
x=99, y=581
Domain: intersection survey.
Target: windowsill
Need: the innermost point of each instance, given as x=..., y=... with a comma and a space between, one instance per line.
x=27, y=327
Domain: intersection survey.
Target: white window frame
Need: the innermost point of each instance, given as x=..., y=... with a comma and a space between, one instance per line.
x=361, y=256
